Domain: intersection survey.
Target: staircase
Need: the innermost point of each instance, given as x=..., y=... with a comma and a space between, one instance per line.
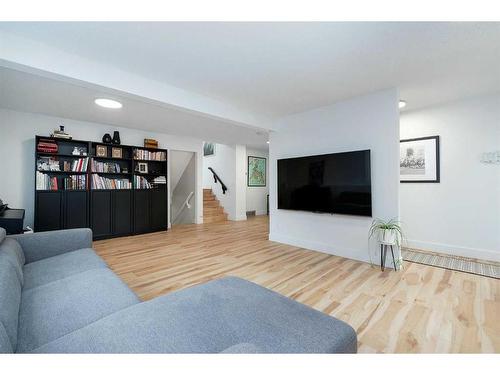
x=212, y=210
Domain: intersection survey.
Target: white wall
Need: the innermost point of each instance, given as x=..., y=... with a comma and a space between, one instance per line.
x=461, y=214
x=367, y=122
x=257, y=196
x=228, y=163
x=17, y=147
x=186, y=184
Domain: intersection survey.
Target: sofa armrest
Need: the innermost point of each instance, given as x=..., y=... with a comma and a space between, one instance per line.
x=37, y=246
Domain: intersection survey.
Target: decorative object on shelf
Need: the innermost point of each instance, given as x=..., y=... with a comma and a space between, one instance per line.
x=60, y=133
x=116, y=152
x=208, y=149
x=47, y=164
x=79, y=151
x=116, y=138
x=256, y=171
x=419, y=159
x=389, y=233
x=142, y=167
x=106, y=138
x=101, y=151
x=150, y=143
x=47, y=146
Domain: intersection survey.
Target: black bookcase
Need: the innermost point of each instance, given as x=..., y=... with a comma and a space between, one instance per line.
x=120, y=190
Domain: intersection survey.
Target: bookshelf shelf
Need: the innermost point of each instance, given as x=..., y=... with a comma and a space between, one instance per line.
x=61, y=172
x=47, y=154
x=110, y=158
x=113, y=173
x=108, y=212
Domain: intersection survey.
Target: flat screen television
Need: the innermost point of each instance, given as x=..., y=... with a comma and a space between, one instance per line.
x=337, y=183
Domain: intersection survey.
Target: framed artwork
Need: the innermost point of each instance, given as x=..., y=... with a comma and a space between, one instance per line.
x=208, y=149
x=101, y=151
x=419, y=159
x=256, y=171
x=116, y=152
x=142, y=167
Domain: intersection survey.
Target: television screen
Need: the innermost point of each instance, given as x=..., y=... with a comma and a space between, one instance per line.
x=332, y=183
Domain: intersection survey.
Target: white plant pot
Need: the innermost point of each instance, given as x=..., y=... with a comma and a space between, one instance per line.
x=388, y=237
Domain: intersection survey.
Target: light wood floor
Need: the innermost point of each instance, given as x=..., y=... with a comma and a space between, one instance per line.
x=421, y=309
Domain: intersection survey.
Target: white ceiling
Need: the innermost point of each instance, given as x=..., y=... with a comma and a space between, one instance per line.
x=277, y=69
x=27, y=92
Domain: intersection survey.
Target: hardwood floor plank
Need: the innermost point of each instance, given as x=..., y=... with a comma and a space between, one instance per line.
x=421, y=309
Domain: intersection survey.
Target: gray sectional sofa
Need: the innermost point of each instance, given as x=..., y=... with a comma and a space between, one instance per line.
x=58, y=296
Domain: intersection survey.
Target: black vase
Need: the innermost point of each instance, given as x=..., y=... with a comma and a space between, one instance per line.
x=106, y=138
x=116, y=138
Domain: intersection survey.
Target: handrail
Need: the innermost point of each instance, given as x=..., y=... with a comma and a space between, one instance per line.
x=184, y=205
x=217, y=178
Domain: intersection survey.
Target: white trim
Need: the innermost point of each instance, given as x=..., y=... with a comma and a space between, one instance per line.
x=462, y=251
x=330, y=249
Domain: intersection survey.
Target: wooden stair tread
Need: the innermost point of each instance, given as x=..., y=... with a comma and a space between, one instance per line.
x=213, y=212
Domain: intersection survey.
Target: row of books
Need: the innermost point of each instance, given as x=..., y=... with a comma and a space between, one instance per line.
x=142, y=183
x=99, y=182
x=47, y=163
x=47, y=145
x=75, y=182
x=160, y=180
x=78, y=165
x=105, y=167
x=51, y=164
x=150, y=155
x=45, y=182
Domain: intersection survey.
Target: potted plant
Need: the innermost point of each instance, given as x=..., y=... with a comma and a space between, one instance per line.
x=388, y=232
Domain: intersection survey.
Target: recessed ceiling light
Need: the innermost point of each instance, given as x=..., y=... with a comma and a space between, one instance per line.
x=108, y=103
x=267, y=142
x=402, y=104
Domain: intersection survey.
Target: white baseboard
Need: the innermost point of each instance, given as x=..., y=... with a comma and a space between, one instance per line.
x=356, y=254
x=462, y=251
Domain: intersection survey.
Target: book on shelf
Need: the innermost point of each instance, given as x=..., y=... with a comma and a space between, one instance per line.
x=142, y=183
x=75, y=182
x=47, y=145
x=105, y=167
x=99, y=183
x=78, y=165
x=45, y=182
x=150, y=155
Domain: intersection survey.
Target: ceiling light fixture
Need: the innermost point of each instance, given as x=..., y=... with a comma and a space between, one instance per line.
x=267, y=142
x=108, y=103
x=402, y=104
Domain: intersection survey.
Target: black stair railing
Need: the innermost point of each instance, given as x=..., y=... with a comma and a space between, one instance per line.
x=217, y=179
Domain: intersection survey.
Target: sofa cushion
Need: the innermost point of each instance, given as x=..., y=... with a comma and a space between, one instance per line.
x=60, y=266
x=209, y=318
x=243, y=348
x=55, y=309
x=11, y=250
x=5, y=345
x=2, y=234
x=10, y=299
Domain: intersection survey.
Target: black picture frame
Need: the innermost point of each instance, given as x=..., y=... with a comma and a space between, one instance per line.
x=438, y=172
x=248, y=171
